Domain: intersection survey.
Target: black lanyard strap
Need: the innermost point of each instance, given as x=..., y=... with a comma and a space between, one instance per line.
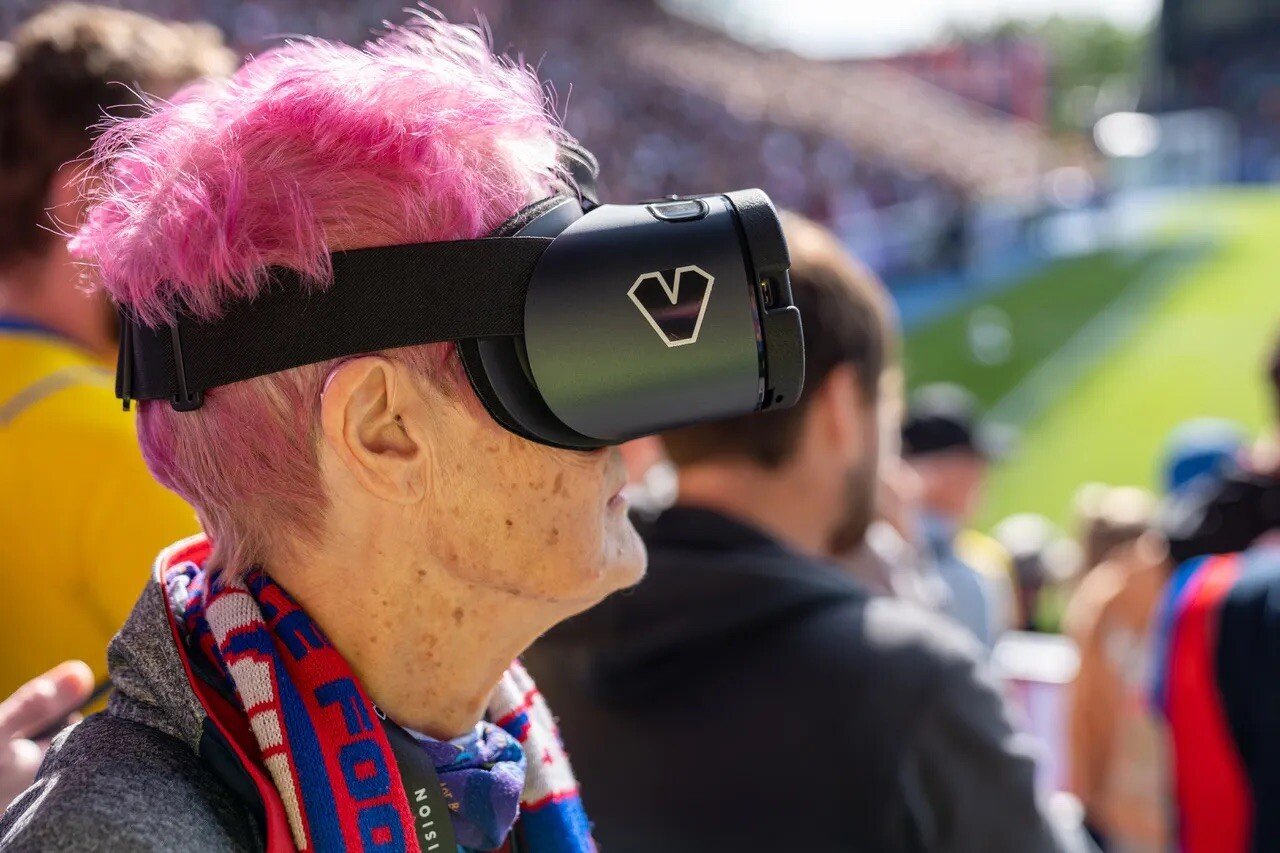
x=431, y=817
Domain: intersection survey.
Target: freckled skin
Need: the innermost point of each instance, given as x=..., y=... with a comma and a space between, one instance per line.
x=458, y=544
x=510, y=514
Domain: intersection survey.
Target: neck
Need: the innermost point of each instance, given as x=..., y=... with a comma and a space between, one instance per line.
x=428, y=648
x=780, y=502
x=45, y=291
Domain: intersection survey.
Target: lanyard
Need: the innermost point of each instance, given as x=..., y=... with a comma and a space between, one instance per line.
x=426, y=796
x=421, y=783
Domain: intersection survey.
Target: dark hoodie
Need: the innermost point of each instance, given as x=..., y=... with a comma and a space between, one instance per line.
x=744, y=697
x=1222, y=516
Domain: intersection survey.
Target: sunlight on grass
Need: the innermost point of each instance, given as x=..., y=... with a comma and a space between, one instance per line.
x=1194, y=347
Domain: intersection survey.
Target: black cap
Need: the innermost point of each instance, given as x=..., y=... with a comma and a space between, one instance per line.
x=944, y=417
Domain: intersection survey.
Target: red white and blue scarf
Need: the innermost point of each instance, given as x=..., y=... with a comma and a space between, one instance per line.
x=303, y=722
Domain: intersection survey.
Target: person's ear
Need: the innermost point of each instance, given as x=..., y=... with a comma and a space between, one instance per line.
x=363, y=422
x=838, y=414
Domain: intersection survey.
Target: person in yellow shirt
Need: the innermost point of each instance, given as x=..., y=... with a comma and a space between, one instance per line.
x=80, y=517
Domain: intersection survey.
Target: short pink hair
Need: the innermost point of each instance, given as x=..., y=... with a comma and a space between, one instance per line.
x=420, y=135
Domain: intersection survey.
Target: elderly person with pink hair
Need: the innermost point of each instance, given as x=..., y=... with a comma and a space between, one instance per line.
x=378, y=549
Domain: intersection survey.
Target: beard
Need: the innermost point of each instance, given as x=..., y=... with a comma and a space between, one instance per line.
x=859, y=508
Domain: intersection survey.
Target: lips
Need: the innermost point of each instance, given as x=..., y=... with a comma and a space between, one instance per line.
x=618, y=496
x=618, y=481
x=615, y=479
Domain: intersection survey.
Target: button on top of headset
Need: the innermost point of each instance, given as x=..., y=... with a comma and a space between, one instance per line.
x=679, y=210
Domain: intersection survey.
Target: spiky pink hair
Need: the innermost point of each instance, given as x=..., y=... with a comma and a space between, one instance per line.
x=420, y=135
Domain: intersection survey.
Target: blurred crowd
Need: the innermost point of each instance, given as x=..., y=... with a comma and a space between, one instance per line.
x=898, y=188
x=1222, y=58
x=818, y=602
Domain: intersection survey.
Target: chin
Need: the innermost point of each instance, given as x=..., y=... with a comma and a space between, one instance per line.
x=631, y=559
x=630, y=572
x=622, y=565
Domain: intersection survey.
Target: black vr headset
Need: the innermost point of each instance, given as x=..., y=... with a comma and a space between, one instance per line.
x=580, y=325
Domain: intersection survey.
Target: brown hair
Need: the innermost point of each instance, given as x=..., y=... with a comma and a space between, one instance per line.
x=847, y=320
x=64, y=69
x=1110, y=517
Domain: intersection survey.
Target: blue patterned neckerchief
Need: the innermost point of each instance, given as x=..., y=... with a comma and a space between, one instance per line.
x=483, y=772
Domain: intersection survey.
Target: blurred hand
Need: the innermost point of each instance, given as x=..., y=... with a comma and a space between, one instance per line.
x=1264, y=457
x=35, y=707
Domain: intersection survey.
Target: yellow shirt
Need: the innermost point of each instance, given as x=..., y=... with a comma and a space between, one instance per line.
x=81, y=519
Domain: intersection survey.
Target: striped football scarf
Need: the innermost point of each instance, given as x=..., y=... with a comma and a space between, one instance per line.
x=320, y=743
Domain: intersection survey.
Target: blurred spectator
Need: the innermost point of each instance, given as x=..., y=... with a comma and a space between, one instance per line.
x=750, y=648
x=1225, y=513
x=81, y=516
x=32, y=715
x=887, y=561
x=1108, y=518
x=1119, y=762
x=1201, y=451
x=1116, y=756
x=1119, y=766
x=950, y=451
x=1042, y=561
x=994, y=565
x=1218, y=691
x=1217, y=647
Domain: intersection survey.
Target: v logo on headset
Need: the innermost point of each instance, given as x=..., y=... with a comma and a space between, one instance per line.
x=674, y=302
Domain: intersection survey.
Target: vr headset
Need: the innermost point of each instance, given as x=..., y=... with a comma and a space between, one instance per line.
x=580, y=325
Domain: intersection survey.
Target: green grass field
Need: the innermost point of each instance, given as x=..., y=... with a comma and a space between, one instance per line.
x=1109, y=352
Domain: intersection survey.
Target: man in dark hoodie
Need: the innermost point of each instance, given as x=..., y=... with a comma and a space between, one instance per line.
x=749, y=695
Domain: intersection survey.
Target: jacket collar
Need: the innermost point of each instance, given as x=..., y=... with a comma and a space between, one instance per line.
x=713, y=582
x=701, y=528
x=158, y=684
x=147, y=673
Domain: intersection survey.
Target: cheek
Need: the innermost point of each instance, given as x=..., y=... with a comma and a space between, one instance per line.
x=563, y=531
x=522, y=517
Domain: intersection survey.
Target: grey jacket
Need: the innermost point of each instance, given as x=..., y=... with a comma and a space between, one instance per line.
x=148, y=773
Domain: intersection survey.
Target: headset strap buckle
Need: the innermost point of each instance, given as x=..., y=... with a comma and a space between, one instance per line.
x=124, y=361
x=185, y=400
